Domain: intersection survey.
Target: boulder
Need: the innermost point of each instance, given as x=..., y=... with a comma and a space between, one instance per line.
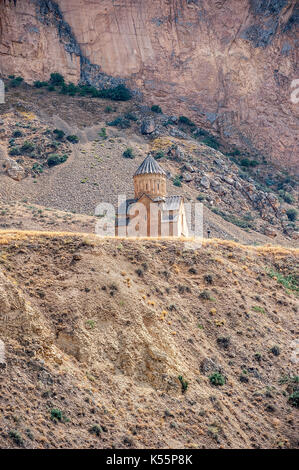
x=228, y=180
x=270, y=232
x=148, y=126
x=187, y=176
x=205, y=182
x=209, y=365
x=176, y=153
x=238, y=185
x=173, y=119
x=189, y=167
x=273, y=200
x=174, y=132
x=13, y=169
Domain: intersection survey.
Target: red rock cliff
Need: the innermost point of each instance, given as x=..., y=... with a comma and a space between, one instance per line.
x=228, y=64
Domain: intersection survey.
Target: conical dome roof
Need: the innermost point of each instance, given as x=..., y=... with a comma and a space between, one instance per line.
x=149, y=166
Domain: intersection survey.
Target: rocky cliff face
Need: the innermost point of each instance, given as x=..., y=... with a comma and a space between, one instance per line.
x=227, y=64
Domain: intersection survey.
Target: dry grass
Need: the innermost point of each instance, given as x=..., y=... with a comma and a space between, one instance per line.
x=7, y=236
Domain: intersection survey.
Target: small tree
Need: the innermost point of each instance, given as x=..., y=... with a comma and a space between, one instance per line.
x=59, y=134
x=56, y=79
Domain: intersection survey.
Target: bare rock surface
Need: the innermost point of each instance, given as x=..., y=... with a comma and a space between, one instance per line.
x=228, y=65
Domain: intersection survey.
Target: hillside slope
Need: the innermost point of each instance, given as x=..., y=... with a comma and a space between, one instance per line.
x=242, y=202
x=97, y=332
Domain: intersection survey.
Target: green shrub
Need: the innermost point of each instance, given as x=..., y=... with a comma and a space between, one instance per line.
x=176, y=181
x=258, y=309
x=128, y=153
x=96, y=429
x=69, y=89
x=27, y=147
x=15, y=82
x=73, y=139
x=120, y=122
x=156, y=109
x=205, y=295
x=37, y=168
x=186, y=121
x=289, y=282
x=184, y=384
x=294, y=399
x=243, y=223
x=51, y=88
x=200, y=197
x=211, y=141
x=275, y=351
x=108, y=109
x=159, y=154
x=58, y=415
x=17, y=134
x=59, y=134
x=55, y=159
x=292, y=214
x=130, y=116
x=247, y=162
x=217, y=379
x=103, y=133
x=56, y=79
x=15, y=151
x=234, y=153
x=16, y=436
x=257, y=357
x=39, y=84
x=119, y=93
x=287, y=197
x=224, y=342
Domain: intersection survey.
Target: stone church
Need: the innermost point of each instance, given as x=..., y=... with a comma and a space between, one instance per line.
x=151, y=213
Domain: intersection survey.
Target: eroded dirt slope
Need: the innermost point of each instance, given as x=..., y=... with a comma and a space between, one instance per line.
x=97, y=333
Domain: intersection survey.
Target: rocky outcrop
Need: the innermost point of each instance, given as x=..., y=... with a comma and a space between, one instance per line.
x=13, y=169
x=10, y=167
x=228, y=65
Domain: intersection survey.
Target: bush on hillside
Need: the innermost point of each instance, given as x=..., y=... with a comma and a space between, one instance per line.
x=128, y=153
x=176, y=181
x=156, y=109
x=55, y=159
x=74, y=139
x=120, y=122
x=39, y=84
x=59, y=134
x=186, y=121
x=292, y=214
x=56, y=79
x=217, y=379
